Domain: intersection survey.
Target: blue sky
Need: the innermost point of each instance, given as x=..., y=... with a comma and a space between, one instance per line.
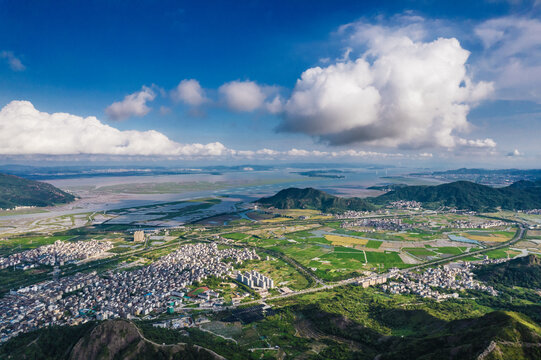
x=241, y=99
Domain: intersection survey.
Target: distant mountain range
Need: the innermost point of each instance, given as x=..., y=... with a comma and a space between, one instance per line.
x=463, y=195
x=16, y=191
x=466, y=195
x=310, y=198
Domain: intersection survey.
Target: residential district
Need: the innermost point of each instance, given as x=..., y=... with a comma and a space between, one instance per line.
x=454, y=277
x=59, y=253
x=154, y=288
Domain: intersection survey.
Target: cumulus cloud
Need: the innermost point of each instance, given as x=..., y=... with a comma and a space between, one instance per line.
x=242, y=95
x=402, y=92
x=14, y=62
x=512, y=56
x=514, y=153
x=478, y=143
x=246, y=96
x=25, y=130
x=190, y=92
x=132, y=105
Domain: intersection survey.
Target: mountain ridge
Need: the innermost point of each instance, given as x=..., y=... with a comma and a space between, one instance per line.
x=17, y=191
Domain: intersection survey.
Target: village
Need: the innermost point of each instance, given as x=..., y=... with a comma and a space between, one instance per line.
x=455, y=277
x=157, y=288
x=59, y=253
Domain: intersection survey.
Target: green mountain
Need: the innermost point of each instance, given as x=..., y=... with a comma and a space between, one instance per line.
x=466, y=195
x=310, y=198
x=17, y=191
x=523, y=272
x=114, y=339
x=498, y=335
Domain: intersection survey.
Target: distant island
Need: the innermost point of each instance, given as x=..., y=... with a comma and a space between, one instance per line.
x=331, y=174
x=462, y=195
x=498, y=177
x=16, y=191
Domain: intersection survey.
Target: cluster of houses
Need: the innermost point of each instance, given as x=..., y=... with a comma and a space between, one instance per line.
x=59, y=253
x=453, y=278
x=351, y=214
x=466, y=224
x=157, y=288
x=406, y=205
x=532, y=212
x=393, y=224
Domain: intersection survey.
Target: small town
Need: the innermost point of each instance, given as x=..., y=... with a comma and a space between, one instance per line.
x=154, y=288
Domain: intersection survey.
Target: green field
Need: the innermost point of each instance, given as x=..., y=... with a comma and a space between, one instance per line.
x=235, y=236
x=373, y=244
x=420, y=251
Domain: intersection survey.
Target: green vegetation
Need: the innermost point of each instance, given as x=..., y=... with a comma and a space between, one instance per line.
x=51, y=343
x=373, y=244
x=235, y=236
x=309, y=198
x=16, y=191
x=470, y=196
x=524, y=272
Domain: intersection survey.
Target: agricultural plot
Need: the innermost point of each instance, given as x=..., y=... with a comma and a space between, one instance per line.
x=339, y=240
x=235, y=236
x=373, y=244
x=276, y=220
x=489, y=236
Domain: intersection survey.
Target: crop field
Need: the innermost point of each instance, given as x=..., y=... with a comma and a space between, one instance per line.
x=373, y=244
x=501, y=253
x=489, y=236
x=450, y=250
x=419, y=251
x=345, y=240
x=235, y=236
x=276, y=220
x=298, y=212
x=304, y=253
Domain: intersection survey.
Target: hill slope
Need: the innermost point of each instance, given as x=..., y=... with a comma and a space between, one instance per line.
x=524, y=272
x=466, y=195
x=114, y=339
x=16, y=191
x=310, y=198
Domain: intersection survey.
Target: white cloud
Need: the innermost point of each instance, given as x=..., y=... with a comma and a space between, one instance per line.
x=247, y=96
x=132, y=105
x=14, y=62
x=190, y=92
x=242, y=95
x=514, y=153
x=402, y=92
x=512, y=56
x=478, y=143
x=275, y=106
x=25, y=130
x=268, y=152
